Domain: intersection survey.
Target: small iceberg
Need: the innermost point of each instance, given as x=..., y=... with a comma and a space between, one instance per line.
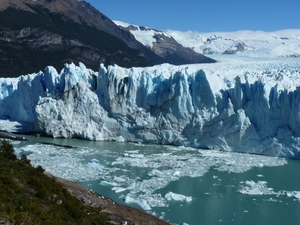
x=107, y=183
x=120, y=139
x=142, y=203
x=119, y=179
x=118, y=189
x=131, y=186
x=177, y=197
x=94, y=163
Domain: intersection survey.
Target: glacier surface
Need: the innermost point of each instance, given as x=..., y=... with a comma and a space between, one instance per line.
x=249, y=106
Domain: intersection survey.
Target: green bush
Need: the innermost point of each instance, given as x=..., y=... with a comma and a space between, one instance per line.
x=7, y=150
x=25, y=160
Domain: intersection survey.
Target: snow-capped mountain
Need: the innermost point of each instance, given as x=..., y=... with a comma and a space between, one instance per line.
x=284, y=43
x=146, y=35
x=164, y=45
x=249, y=106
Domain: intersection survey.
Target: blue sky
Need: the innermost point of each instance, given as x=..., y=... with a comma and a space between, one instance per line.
x=204, y=15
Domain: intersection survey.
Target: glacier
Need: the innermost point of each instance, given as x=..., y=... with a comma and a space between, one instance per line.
x=249, y=106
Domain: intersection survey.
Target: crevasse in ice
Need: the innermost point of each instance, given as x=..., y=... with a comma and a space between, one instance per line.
x=246, y=107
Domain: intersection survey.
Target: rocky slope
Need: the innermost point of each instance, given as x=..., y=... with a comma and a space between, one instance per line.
x=164, y=45
x=118, y=214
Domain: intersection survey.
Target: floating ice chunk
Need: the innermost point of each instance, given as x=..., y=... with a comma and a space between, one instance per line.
x=260, y=188
x=177, y=173
x=94, y=161
x=118, y=189
x=155, y=172
x=259, y=175
x=293, y=194
x=140, y=156
x=170, y=196
x=107, y=183
x=297, y=194
x=95, y=165
x=119, y=179
x=256, y=188
x=143, y=203
x=120, y=139
x=133, y=151
x=213, y=153
x=162, y=165
x=131, y=186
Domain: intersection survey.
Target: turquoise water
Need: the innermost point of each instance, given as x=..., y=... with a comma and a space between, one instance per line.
x=216, y=200
x=224, y=188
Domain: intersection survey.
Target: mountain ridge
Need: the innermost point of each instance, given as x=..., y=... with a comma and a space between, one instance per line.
x=60, y=31
x=282, y=43
x=162, y=44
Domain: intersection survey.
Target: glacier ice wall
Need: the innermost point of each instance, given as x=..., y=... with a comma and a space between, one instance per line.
x=251, y=108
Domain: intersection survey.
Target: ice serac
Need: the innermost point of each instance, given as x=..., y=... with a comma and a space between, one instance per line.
x=254, y=108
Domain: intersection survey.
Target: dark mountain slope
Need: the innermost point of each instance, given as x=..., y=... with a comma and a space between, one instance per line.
x=166, y=46
x=31, y=41
x=35, y=34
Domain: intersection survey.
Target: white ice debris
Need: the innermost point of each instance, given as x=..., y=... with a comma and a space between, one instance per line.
x=261, y=188
x=141, y=203
x=170, y=196
x=120, y=139
x=106, y=183
x=159, y=166
x=94, y=163
x=118, y=189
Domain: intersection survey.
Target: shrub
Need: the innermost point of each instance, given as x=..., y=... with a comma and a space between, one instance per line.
x=7, y=150
x=24, y=159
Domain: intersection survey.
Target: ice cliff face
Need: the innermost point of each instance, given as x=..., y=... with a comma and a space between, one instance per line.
x=249, y=107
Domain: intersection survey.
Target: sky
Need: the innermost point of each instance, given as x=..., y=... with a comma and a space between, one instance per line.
x=204, y=15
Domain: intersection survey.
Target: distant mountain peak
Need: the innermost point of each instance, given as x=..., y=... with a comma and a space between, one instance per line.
x=164, y=45
x=283, y=43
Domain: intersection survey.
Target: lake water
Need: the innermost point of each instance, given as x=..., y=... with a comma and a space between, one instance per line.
x=178, y=184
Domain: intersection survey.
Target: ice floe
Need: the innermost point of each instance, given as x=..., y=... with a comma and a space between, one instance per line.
x=136, y=175
x=260, y=188
x=170, y=196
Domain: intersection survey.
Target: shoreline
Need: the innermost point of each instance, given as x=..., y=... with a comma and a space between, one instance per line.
x=117, y=213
